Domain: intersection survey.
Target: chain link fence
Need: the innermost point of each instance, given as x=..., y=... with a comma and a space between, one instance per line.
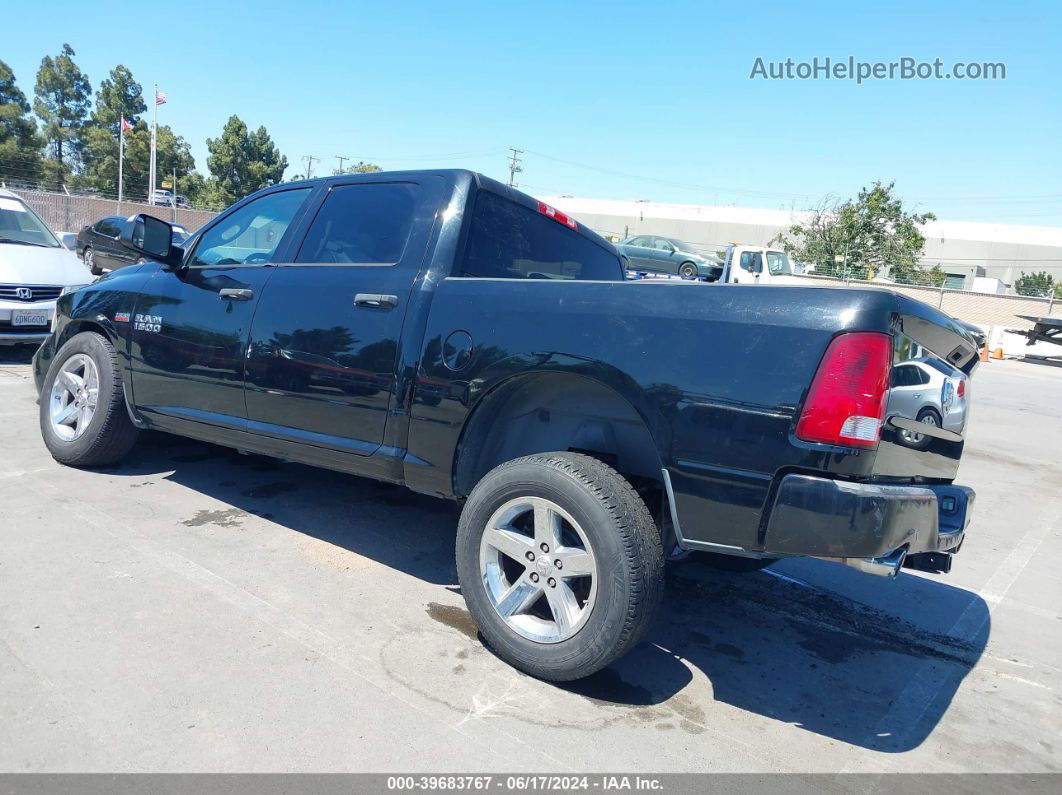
x=68, y=213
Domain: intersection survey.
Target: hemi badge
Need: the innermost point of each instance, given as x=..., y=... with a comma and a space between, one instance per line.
x=121, y=317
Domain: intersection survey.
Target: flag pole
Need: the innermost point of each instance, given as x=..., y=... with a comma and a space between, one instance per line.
x=121, y=156
x=154, y=134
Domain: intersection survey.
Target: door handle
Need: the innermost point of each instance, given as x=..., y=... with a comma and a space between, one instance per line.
x=376, y=300
x=235, y=294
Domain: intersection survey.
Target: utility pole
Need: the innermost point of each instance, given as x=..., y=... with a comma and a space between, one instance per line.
x=340, y=158
x=309, y=164
x=514, y=165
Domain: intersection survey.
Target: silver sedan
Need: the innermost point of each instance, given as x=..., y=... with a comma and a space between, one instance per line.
x=929, y=391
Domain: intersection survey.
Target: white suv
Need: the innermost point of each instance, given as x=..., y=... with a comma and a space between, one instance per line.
x=35, y=269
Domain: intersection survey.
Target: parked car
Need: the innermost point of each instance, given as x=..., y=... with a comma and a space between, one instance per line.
x=928, y=391
x=100, y=248
x=444, y=331
x=35, y=269
x=657, y=254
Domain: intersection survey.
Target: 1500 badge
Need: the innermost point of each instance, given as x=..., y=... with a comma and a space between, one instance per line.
x=151, y=323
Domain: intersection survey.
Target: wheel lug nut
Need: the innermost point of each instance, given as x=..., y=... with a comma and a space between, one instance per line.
x=534, y=577
x=530, y=555
x=557, y=564
x=552, y=582
x=545, y=547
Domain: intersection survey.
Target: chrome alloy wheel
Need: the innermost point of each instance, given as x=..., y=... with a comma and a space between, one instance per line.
x=539, y=569
x=75, y=392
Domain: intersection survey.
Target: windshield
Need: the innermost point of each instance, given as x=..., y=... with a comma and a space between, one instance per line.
x=778, y=264
x=20, y=225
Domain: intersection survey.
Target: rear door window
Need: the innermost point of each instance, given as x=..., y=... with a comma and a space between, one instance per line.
x=108, y=227
x=362, y=224
x=509, y=241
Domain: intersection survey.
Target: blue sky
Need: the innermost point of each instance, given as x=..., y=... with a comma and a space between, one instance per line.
x=611, y=100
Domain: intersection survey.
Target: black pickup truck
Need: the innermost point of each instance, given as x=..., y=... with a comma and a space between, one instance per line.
x=443, y=331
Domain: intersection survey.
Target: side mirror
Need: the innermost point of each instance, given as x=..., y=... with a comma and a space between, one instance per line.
x=152, y=237
x=757, y=265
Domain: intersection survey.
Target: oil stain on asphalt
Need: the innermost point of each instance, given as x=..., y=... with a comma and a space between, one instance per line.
x=455, y=618
x=232, y=517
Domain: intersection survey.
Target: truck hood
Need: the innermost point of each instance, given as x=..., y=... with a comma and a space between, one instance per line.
x=36, y=265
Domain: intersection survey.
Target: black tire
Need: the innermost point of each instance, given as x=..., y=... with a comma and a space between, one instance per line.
x=88, y=256
x=688, y=270
x=625, y=543
x=732, y=563
x=110, y=434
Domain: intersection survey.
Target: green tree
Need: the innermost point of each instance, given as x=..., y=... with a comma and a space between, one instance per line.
x=358, y=168
x=20, y=143
x=242, y=162
x=174, y=154
x=1040, y=284
x=869, y=235
x=119, y=95
x=62, y=100
x=202, y=192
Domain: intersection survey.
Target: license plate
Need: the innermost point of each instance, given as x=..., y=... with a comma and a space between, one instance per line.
x=30, y=317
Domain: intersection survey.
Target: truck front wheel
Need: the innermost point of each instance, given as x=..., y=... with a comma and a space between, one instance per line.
x=560, y=564
x=83, y=417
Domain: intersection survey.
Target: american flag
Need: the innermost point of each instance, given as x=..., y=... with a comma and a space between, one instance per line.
x=160, y=97
x=126, y=126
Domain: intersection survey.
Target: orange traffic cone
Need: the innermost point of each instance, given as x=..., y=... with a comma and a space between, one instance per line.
x=984, y=353
x=997, y=353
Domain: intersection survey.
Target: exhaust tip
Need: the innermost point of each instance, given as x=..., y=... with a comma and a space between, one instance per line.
x=885, y=566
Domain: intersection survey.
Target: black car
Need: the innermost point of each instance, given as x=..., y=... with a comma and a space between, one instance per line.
x=446, y=332
x=99, y=245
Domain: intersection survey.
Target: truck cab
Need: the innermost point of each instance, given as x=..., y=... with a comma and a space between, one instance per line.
x=441, y=330
x=759, y=265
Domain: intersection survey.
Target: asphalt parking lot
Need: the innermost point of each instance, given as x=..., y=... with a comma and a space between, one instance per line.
x=198, y=610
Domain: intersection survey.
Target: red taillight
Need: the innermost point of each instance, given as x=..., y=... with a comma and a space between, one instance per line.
x=846, y=403
x=961, y=391
x=558, y=216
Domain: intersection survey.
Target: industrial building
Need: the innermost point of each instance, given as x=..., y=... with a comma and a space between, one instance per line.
x=976, y=256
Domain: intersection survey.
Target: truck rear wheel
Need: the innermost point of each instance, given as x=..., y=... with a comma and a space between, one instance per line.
x=83, y=416
x=560, y=564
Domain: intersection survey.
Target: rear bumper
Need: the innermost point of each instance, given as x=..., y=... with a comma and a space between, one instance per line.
x=819, y=517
